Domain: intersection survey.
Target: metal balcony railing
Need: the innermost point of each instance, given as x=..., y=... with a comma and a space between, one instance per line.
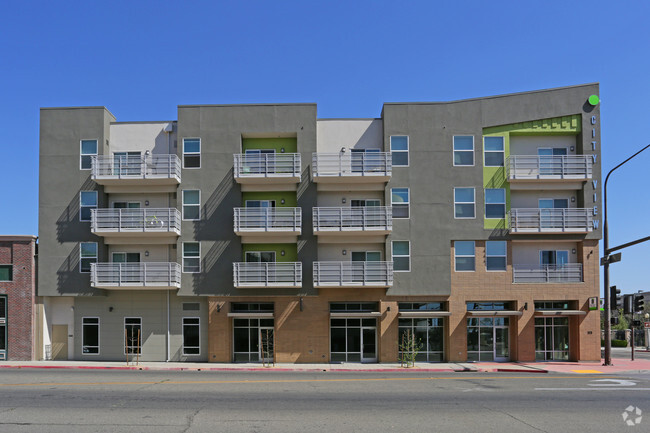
x=141, y=274
x=348, y=219
x=265, y=219
x=136, y=167
x=352, y=164
x=144, y=220
x=570, y=220
x=526, y=167
x=275, y=274
x=346, y=274
x=266, y=165
x=567, y=273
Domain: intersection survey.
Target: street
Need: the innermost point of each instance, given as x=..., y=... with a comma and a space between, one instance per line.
x=154, y=401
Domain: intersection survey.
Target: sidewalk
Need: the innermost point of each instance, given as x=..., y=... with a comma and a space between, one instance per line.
x=620, y=365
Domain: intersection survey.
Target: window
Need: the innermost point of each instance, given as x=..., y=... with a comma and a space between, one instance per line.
x=553, y=257
x=399, y=147
x=495, y=203
x=495, y=255
x=191, y=153
x=464, y=150
x=88, y=150
x=366, y=256
x=401, y=256
x=428, y=332
x=90, y=335
x=132, y=335
x=191, y=204
x=493, y=151
x=400, y=202
x=6, y=273
x=259, y=257
x=464, y=256
x=191, y=336
x=191, y=257
x=87, y=201
x=464, y=203
x=87, y=255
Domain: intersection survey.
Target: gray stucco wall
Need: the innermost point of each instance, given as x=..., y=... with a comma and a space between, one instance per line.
x=60, y=181
x=431, y=175
x=220, y=129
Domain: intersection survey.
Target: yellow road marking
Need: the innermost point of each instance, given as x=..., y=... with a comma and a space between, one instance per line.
x=587, y=371
x=211, y=382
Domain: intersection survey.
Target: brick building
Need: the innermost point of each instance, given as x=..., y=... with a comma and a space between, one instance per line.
x=18, y=312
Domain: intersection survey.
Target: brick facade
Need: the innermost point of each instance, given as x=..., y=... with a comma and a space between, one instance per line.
x=19, y=251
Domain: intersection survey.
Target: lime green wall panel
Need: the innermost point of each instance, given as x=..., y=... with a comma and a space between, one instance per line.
x=290, y=251
x=290, y=144
x=290, y=198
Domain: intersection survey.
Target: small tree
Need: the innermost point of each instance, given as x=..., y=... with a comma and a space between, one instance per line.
x=409, y=349
x=623, y=324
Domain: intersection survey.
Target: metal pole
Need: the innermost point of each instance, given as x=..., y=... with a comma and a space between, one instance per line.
x=608, y=313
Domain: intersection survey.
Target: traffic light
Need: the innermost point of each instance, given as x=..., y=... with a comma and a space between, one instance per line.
x=614, y=298
x=628, y=304
x=638, y=303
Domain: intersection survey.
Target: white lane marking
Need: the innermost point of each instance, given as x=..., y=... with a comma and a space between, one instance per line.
x=615, y=382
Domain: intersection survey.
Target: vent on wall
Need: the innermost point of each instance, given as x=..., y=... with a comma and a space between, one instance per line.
x=191, y=306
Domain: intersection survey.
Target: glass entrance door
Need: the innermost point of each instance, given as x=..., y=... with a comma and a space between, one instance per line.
x=369, y=344
x=266, y=344
x=501, y=346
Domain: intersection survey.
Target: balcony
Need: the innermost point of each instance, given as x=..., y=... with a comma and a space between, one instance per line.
x=129, y=276
x=555, y=172
x=267, y=171
x=136, y=226
x=333, y=171
x=259, y=225
x=332, y=222
x=149, y=173
x=567, y=273
x=570, y=220
x=353, y=274
x=262, y=275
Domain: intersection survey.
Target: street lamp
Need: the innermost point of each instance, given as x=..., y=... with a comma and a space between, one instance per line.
x=606, y=262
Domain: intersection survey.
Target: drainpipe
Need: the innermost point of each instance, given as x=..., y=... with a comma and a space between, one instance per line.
x=168, y=336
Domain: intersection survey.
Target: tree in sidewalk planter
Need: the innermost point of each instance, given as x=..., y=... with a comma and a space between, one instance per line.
x=409, y=348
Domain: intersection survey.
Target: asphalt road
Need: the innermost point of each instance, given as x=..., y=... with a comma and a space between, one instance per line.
x=147, y=401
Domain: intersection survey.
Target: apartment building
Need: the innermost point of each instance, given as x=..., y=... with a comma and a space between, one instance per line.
x=20, y=314
x=243, y=233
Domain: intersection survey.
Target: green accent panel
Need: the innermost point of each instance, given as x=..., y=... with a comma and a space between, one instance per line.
x=594, y=100
x=290, y=198
x=554, y=126
x=495, y=177
x=290, y=251
x=290, y=144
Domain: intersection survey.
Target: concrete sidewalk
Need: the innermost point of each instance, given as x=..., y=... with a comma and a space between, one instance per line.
x=620, y=365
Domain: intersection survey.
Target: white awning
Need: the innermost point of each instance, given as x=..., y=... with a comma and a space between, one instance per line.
x=560, y=313
x=423, y=314
x=496, y=313
x=251, y=315
x=355, y=315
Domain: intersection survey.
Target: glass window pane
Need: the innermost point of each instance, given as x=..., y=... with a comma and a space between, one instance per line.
x=465, y=195
x=463, y=142
x=495, y=211
x=89, y=198
x=400, y=195
x=400, y=211
x=191, y=212
x=191, y=145
x=464, y=158
x=191, y=249
x=401, y=263
x=496, y=248
x=399, y=142
x=495, y=195
x=88, y=147
x=496, y=263
x=464, y=248
x=88, y=249
x=464, y=211
x=494, y=144
x=191, y=197
x=400, y=158
x=465, y=263
x=401, y=248
x=493, y=159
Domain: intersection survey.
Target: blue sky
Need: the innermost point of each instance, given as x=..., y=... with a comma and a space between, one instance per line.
x=143, y=58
